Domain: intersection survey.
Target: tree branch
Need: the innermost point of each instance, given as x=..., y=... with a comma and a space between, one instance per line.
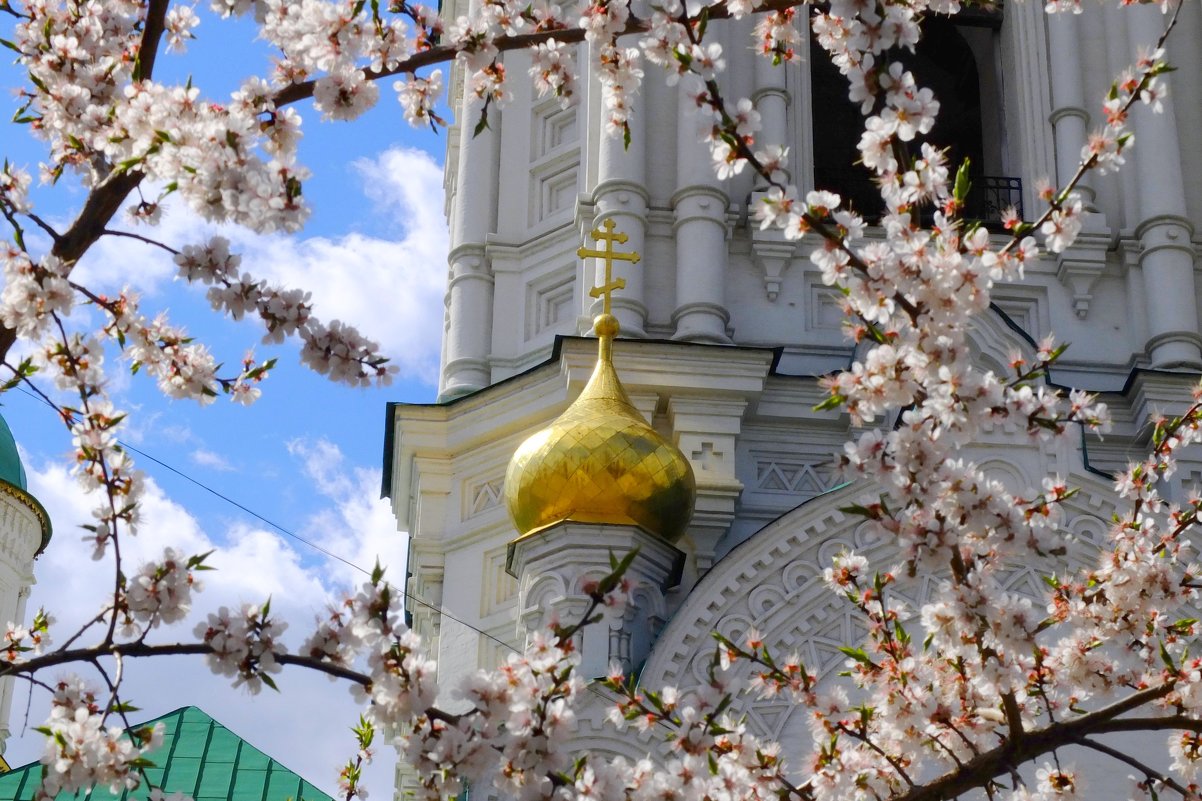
x=145, y=239
x=1149, y=773
x=1170, y=723
x=138, y=650
x=445, y=53
x=152, y=33
x=980, y=770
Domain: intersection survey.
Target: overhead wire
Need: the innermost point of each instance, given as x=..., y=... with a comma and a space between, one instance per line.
x=591, y=686
x=287, y=532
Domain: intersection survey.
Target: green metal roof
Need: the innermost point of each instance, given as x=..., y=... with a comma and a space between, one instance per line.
x=11, y=469
x=199, y=757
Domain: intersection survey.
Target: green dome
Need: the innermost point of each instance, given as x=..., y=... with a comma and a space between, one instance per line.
x=12, y=482
x=11, y=469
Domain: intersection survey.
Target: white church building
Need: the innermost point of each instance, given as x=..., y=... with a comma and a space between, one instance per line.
x=725, y=331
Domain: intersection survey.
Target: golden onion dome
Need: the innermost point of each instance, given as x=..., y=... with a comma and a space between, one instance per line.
x=600, y=462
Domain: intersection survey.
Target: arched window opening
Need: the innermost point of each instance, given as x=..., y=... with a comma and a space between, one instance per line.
x=950, y=59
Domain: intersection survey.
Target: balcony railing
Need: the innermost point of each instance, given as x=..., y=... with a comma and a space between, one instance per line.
x=988, y=199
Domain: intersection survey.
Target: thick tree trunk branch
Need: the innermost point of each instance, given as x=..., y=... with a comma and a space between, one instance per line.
x=105, y=200
x=152, y=33
x=1000, y=761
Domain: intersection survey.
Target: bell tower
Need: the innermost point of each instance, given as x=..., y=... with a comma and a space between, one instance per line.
x=24, y=533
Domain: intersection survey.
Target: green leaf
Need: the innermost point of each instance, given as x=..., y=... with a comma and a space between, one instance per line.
x=197, y=562
x=482, y=123
x=862, y=511
x=833, y=402
x=963, y=184
x=859, y=655
x=1166, y=657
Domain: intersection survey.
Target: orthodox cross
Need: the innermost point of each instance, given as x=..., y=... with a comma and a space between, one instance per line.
x=608, y=256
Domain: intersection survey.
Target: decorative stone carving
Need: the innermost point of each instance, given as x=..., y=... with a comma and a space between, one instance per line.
x=1080, y=267
x=774, y=255
x=773, y=584
x=792, y=476
x=772, y=252
x=482, y=495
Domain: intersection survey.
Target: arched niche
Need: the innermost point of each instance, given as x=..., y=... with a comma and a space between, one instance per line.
x=957, y=59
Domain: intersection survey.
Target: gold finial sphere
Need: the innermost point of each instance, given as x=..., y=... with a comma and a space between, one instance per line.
x=606, y=325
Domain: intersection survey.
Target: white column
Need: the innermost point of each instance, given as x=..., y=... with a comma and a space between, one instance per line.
x=772, y=252
x=1164, y=232
x=772, y=102
x=621, y=195
x=1070, y=120
x=470, y=284
x=700, y=207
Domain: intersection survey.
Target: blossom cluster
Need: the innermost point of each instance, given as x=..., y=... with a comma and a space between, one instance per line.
x=160, y=593
x=82, y=753
x=33, y=292
x=333, y=349
x=243, y=644
x=102, y=117
x=714, y=754
x=22, y=642
x=515, y=730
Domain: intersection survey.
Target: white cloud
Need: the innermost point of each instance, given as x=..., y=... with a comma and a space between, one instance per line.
x=306, y=726
x=390, y=288
x=360, y=527
x=211, y=460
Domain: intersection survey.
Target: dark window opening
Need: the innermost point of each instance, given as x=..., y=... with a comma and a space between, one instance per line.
x=945, y=62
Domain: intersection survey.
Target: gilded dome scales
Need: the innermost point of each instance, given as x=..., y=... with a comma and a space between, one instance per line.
x=600, y=462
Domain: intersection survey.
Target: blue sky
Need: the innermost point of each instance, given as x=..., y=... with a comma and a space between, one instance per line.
x=307, y=455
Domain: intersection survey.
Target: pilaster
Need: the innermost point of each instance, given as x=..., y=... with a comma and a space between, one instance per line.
x=706, y=432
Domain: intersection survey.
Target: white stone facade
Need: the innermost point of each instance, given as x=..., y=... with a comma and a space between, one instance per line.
x=729, y=329
x=24, y=531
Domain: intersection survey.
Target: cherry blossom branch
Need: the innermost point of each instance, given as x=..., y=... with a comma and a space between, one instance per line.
x=440, y=54
x=142, y=650
x=998, y=761
x=1150, y=774
x=141, y=238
